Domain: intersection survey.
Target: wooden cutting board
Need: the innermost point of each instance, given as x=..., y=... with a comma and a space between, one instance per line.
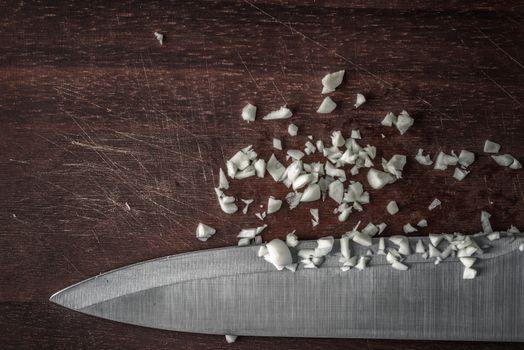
x=110, y=144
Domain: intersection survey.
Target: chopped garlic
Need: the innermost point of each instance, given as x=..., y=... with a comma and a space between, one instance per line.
x=273, y=205
x=204, y=232
x=469, y=273
x=292, y=267
x=444, y=160
x=362, y=239
x=292, y=129
x=231, y=338
x=336, y=191
x=459, y=174
x=278, y=254
x=484, y=220
x=295, y=154
x=435, y=239
x=251, y=232
x=378, y=179
x=261, y=216
x=159, y=37
x=226, y=202
x=331, y=81
x=507, y=160
x=404, y=122
x=422, y=223
x=314, y=213
x=247, y=202
x=337, y=140
x=361, y=99
x=291, y=239
x=277, y=144
x=327, y=106
x=282, y=113
x=521, y=247
x=423, y=159
x=260, y=167
x=466, y=158
x=249, y=113
x=355, y=134
x=222, y=180
x=389, y=120
x=275, y=168
x=293, y=199
x=302, y=181
x=311, y=193
x=491, y=147
x=433, y=251
x=392, y=208
x=435, y=203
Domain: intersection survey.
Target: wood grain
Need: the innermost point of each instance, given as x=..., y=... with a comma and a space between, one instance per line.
x=96, y=114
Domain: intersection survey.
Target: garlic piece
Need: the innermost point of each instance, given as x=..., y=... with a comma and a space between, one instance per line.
x=260, y=167
x=459, y=174
x=292, y=130
x=231, y=338
x=249, y=113
x=491, y=147
x=282, y=113
x=422, y=223
x=466, y=158
x=389, y=120
x=361, y=99
x=336, y=191
x=327, y=106
x=392, y=208
x=222, y=180
x=204, y=232
x=435, y=203
x=277, y=144
x=159, y=37
x=291, y=239
x=247, y=202
x=397, y=265
x=314, y=214
x=273, y=205
x=469, y=273
x=423, y=159
x=378, y=179
x=404, y=122
x=362, y=239
x=275, y=168
x=331, y=81
x=311, y=193
x=279, y=253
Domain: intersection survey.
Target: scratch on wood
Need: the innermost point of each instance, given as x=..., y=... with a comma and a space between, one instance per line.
x=501, y=49
x=501, y=88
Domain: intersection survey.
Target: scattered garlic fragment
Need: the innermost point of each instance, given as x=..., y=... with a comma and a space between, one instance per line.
x=435, y=203
x=331, y=81
x=397, y=265
x=466, y=158
x=291, y=239
x=484, y=220
x=444, y=160
x=242, y=242
x=226, y=202
x=273, y=205
x=249, y=113
x=521, y=247
x=260, y=167
x=311, y=193
x=262, y=251
x=422, y=223
x=336, y=139
x=222, y=180
x=204, y=232
x=389, y=120
x=251, y=232
x=292, y=130
x=247, y=202
x=362, y=263
x=362, y=239
x=435, y=239
x=404, y=122
x=282, y=113
x=378, y=179
x=355, y=134
x=423, y=159
x=459, y=174
x=159, y=37
x=275, y=168
x=361, y=99
x=491, y=147
x=295, y=154
x=277, y=144
x=327, y=106
x=467, y=261
x=315, y=218
x=336, y=191
x=433, y=251
x=392, y=208
x=278, y=254
x=507, y=160
x=231, y=338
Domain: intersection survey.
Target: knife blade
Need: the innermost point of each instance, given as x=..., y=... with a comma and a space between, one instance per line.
x=232, y=291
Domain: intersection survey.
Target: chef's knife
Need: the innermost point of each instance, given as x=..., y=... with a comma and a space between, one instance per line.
x=233, y=291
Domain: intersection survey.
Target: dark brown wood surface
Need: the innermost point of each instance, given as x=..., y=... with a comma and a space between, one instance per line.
x=96, y=114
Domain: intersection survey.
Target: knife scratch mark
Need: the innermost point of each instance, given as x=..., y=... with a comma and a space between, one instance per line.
x=502, y=88
x=248, y=71
x=71, y=263
x=500, y=48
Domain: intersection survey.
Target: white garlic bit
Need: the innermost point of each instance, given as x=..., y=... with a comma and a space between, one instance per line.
x=491, y=147
x=292, y=130
x=404, y=122
x=331, y=81
x=222, y=180
x=423, y=159
x=277, y=144
x=247, y=202
x=469, y=273
x=392, y=208
x=435, y=203
x=389, y=120
x=378, y=179
x=466, y=158
x=327, y=106
x=282, y=113
x=273, y=205
x=459, y=174
x=231, y=338
x=361, y=99
x=204, y=232
x=159, y=37
x=315, y=217
x=291, y=239
x=249, y=113
x=422, y=223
